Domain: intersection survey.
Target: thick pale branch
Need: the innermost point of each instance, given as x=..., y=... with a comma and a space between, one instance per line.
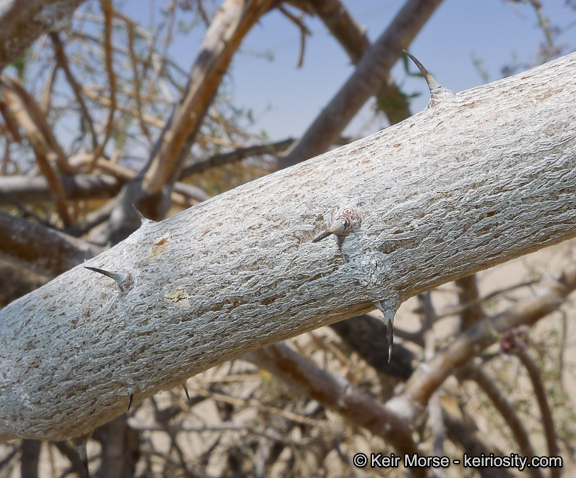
x=475, y=180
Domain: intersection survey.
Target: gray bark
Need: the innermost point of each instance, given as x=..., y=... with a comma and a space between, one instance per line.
x=474, y=180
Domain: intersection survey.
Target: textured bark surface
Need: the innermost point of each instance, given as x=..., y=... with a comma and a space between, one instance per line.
x=476, y=180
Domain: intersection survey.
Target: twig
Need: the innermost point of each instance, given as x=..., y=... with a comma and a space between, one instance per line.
x=337, y=394
x=434, y=406
x=135, y=74
x=237, y=155
x=471, y=342
x=62, y=60
x=108, y=11
x=45, y=104
x=30, y=117
x=541, y=398
x=479, y=300
x=501, y=403
x=253, y=403
x=303, y=33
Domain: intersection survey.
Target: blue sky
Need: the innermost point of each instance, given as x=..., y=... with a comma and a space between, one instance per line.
x=285, y=99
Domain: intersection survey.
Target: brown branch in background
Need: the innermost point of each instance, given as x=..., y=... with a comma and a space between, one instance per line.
x=181, y=190
x=30, y=458
x=91, y=220
x=343, y=26
x=459, y=431
x=22, y=23
x=133, y=112
x=46, y=102
x=62, y=61
x=507, y=411
x=468, y=296
x=159, y=69
x=39, y=133
x=29, y=116
x=37, y=189
x=352, y=36
x=471, y=342
x=371, y=73
x=108, y=11
x=11, y=131
x=303, y=33
x=435, y=416
x=541, y=398
x=231, y=23
x=463, y=307
x=46, y=250
x=236, y=155
x=337, y=394
x=135, y=74
x=6, y=156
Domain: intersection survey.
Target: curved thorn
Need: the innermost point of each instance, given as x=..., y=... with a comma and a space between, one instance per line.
x=130, y=402
x=186, y=390
x=322, y=236
x=143, y=220
x=432, y=83
x=124, y=281
x=112, y=275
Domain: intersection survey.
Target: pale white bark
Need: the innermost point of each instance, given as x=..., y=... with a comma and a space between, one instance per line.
x=474, y=181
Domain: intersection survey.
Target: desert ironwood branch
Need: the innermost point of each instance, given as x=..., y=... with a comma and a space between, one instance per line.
x=477, y=179
x=540, y=393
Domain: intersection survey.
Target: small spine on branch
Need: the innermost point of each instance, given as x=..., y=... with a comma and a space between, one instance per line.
x=343, y=221
x=144, y=221
x=124, y=281
x=130, y=398
x=80, y=446
x=186, y=391
x=437, y=91
x=388, y=307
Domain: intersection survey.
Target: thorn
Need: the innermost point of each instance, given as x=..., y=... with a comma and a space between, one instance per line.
x=131, y=395
x=388, y=307
x=186, y=390
x=112, y=275
x=432, y=83
x=390, y=337
x=143, y=220
x=80, y=445
x=124, y=281
x=434, y=87
x=322, y=236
